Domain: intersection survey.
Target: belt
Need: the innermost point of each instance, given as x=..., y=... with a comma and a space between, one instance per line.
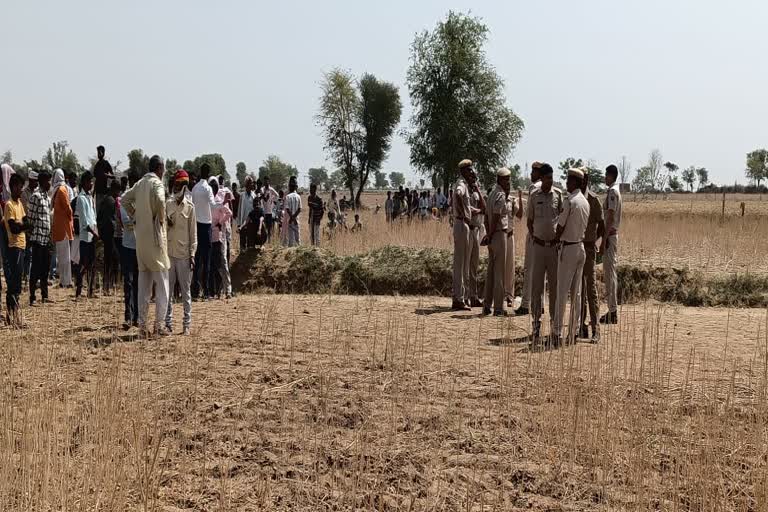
x=545, y=243
x=510, y=233
x=566, y=244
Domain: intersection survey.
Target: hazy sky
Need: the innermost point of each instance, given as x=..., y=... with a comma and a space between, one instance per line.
x=596, y=79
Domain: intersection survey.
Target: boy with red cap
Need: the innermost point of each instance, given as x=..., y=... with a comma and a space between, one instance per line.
x=182, y=244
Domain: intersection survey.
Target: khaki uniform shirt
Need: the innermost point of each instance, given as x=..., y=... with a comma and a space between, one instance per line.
x=497, y=204
x=477, y=218
x=573, y=219
x=511, y=211
x=182, y=228
x=544, y=210
x=595, y=216
x=461, y=200
x=613, y=202
x=146, y=203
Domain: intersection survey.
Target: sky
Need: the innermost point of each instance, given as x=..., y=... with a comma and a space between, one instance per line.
x=596, y=79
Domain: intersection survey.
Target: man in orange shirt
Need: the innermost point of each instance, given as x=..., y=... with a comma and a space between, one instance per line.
x=62, y=230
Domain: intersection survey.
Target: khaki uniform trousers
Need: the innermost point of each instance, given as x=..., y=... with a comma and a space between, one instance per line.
x=527, y=272
x=460, y=260
x=589, y=287
x=570, y=269
x=610, y=263
x=494, y=281
x=475, y=236
x=509, y=268
x=544, y=265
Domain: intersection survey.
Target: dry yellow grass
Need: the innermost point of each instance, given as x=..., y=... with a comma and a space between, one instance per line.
x=376, y=403
x=314, y=403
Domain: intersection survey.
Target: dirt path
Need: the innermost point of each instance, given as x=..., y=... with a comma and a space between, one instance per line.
x=337, y=403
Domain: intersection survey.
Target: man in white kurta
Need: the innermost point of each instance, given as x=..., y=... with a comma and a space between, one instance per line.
x=146, y=203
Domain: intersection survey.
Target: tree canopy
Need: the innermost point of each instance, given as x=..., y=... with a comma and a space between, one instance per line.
x=396, y=179
x=241, y=172
x=318, y=176
x=757, y=165
x=277, y=171
x=459, y=107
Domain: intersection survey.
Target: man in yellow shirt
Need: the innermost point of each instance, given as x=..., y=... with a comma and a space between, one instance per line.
x=15, y=224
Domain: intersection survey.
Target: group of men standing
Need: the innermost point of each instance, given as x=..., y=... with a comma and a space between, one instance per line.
x=561, y=249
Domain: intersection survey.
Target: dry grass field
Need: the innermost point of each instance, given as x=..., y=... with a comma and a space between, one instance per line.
x=684, y=230
x=375, y=403
x=293, y=402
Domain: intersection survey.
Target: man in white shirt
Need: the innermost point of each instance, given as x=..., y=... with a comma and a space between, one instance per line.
x=202, y=198
x=268, y=200
x=293, y=209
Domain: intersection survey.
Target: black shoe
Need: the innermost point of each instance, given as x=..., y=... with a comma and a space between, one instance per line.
x=555, y=341
x=476, y=303
x=521, y=311
x=610, y=318
x=510, y=303
x=500, y=313
x=460, y=306
x=595, y=335
x=584, y=332
x=486, y=311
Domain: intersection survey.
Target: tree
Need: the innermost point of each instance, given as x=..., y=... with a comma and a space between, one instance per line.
x=396, y=179
x=379, y=114
x=60, y=156
x=7, y=157
x=171, y=165
x=138, y=164
x=318, y=176
x=569, y=163
x=241, y=173
x=459, y=107
x=336, y=180
x=339, y=119
x=214, y=160
x=703, y=175
x=689, y=177
x=674, y=184
x=380, y=180
x=671, y=172
x=625, y=169
x=277, y=171
x=757, y=165
x=516, y=178
x=643, y=181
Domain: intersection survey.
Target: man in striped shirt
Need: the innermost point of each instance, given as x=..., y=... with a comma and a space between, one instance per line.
x=39, y=216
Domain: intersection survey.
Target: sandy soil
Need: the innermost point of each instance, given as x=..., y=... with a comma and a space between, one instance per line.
x=387, y=403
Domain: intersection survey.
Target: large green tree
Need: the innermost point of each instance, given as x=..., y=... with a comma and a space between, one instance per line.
x=138, y=163
x=689, y=177
x=61, y=156
x=318, y=176
x=569, y=163
x=277, y=171
x=396, y=179
x=703, y=175
x=358, y=121
x=459, y=107
x=214, y=160
x=757, y=165
x=241, y=173
x=380, y=180
x=379, y=114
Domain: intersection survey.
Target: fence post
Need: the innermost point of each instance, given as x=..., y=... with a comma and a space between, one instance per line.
x=722, y=215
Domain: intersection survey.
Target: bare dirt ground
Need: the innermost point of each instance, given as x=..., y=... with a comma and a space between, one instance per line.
x=381, y=403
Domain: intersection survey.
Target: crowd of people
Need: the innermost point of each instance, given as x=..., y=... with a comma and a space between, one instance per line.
x=174, y=239
x=563, y=230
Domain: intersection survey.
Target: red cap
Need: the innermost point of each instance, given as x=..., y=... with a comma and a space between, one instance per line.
x=181, y=175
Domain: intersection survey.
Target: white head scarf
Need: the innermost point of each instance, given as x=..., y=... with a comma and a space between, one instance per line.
x=5, y=173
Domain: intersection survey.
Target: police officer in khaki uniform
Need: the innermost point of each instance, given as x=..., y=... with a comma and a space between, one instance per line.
x=543, y=213
x=476, y=234
x=610, y=245
x=514, y=210
x=527, y=262
x=461, y=216
x=571, y=226
x=497, y=244
x=594, y=232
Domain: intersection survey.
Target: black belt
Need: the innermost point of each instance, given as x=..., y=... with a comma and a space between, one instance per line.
x=566, y=244
x=545, y=243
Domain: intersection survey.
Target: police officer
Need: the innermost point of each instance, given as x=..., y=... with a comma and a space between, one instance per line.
x=476, y=234
x=527, y=263
x=461, y=249
x=571, y=226
x=514, y=210
x=497, y=244
x=610, y=245
x=594, y=232
x=543, y=212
